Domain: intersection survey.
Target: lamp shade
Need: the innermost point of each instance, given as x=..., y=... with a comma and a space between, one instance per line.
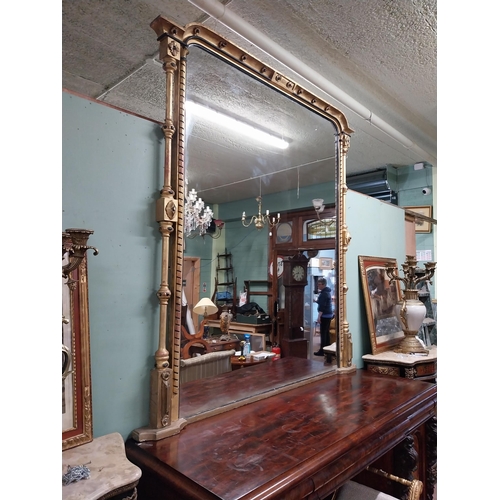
x=317, y=203
x=205, y=307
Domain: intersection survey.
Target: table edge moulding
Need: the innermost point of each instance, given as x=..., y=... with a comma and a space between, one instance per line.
x=302, y=443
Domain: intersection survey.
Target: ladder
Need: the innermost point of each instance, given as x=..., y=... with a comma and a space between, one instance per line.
x=225, y=282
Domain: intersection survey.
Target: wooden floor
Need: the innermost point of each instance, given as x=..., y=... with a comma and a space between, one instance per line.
x=203, y=398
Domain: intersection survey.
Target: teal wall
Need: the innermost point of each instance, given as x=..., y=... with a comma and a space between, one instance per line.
x=377, y=229
x=111, y=168
x=112, y=175
x=409, y=186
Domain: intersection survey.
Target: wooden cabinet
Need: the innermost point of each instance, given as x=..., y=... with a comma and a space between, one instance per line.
x=223, y=345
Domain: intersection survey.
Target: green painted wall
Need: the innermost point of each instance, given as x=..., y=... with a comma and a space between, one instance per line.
x=112, y=176
x=111, y=168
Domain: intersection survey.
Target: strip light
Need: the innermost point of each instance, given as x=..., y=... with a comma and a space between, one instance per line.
x=231, y=123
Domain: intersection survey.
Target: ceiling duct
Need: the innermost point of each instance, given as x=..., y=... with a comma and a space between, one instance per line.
x=374, y=183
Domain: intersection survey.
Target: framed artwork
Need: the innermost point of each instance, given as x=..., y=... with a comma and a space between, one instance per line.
x=422, y=226
x=381, y=298
x=76, y=382
x=325, y=263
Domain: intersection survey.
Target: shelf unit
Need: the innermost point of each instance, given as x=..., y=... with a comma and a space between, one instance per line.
x=249, y=284
x=225, y=282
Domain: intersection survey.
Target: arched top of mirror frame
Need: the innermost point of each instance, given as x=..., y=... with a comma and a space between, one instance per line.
x=174, y=43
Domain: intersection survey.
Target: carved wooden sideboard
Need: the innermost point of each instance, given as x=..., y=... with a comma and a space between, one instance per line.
x=300, y=443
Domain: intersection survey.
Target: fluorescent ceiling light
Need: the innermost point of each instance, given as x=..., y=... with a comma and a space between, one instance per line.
x=231, y=123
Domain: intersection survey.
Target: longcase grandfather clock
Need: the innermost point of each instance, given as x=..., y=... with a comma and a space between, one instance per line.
x=293, y=341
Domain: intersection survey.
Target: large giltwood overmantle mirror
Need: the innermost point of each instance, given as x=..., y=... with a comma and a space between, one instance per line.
x=205, y=70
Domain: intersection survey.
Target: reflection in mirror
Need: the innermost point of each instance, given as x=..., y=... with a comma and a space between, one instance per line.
x=226, y=164
x=229, y=171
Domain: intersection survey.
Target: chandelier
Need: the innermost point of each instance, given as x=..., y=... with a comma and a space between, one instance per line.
x=259, y=219
x=197, y=216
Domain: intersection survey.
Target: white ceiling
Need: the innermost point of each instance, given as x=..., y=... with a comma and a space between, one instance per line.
x=381, y=53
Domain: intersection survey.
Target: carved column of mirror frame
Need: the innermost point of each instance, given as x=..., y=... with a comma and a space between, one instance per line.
x=174, y=41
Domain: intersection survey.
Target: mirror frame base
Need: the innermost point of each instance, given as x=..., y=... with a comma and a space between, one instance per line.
x=150, y=434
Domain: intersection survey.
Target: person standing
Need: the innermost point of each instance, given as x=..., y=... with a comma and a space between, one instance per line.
x=325, y=314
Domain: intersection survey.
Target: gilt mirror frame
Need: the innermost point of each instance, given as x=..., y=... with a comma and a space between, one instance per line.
x=174, y=42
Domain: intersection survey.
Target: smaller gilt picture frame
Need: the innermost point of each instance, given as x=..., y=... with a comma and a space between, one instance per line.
x=422, y=226
x=381, y=297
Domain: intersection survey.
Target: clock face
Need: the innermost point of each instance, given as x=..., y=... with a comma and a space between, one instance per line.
x=280, y=267
x=298, y=273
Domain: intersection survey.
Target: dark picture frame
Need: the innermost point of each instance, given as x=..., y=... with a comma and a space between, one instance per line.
x=380, y=298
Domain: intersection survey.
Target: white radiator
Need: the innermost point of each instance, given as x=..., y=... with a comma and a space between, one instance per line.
x=206, y=365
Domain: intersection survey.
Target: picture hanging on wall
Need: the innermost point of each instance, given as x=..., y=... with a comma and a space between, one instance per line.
x=325, y=263
x=381, y=298
x=422, y=226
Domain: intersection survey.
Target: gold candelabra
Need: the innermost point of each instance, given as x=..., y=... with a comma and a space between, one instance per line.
x=74, y=247
x=261, y=220
x=411, y=310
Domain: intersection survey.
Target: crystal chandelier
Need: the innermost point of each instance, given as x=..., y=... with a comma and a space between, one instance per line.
x=197, y=216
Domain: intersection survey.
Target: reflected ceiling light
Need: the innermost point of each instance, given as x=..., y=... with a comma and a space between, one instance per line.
x=231, y=123
x=318, y=206
x=196, y=215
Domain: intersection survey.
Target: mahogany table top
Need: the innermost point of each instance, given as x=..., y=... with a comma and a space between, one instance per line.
x=306, y=440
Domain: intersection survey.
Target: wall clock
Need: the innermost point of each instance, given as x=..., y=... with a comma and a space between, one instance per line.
x=279, y=261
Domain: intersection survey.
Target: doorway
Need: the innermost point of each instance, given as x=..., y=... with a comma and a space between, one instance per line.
x=322, y=265
x=301, y=231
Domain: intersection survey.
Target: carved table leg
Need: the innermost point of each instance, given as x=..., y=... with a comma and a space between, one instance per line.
x=431, y=456
x=405, y=463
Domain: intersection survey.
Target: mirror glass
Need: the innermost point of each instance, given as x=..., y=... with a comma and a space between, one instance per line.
x=230, y=119
x=245, y=139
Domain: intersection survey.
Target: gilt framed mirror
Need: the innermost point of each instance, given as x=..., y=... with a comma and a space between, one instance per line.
x=198, y=65
x=76, y=380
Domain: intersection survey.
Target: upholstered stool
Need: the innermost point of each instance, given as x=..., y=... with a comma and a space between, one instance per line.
x=355, y=491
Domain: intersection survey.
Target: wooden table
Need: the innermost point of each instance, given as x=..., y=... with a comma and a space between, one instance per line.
x=412, y=366
x=235, y=327
x=301, y=443
x=112, y=476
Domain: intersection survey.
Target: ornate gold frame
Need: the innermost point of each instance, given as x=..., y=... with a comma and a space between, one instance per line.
x=79, y=354
x=174, y=41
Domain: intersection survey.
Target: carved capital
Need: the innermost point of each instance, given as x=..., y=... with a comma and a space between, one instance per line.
x=345, y=142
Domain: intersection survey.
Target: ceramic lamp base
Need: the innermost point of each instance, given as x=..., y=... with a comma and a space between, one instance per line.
x=411, y=344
